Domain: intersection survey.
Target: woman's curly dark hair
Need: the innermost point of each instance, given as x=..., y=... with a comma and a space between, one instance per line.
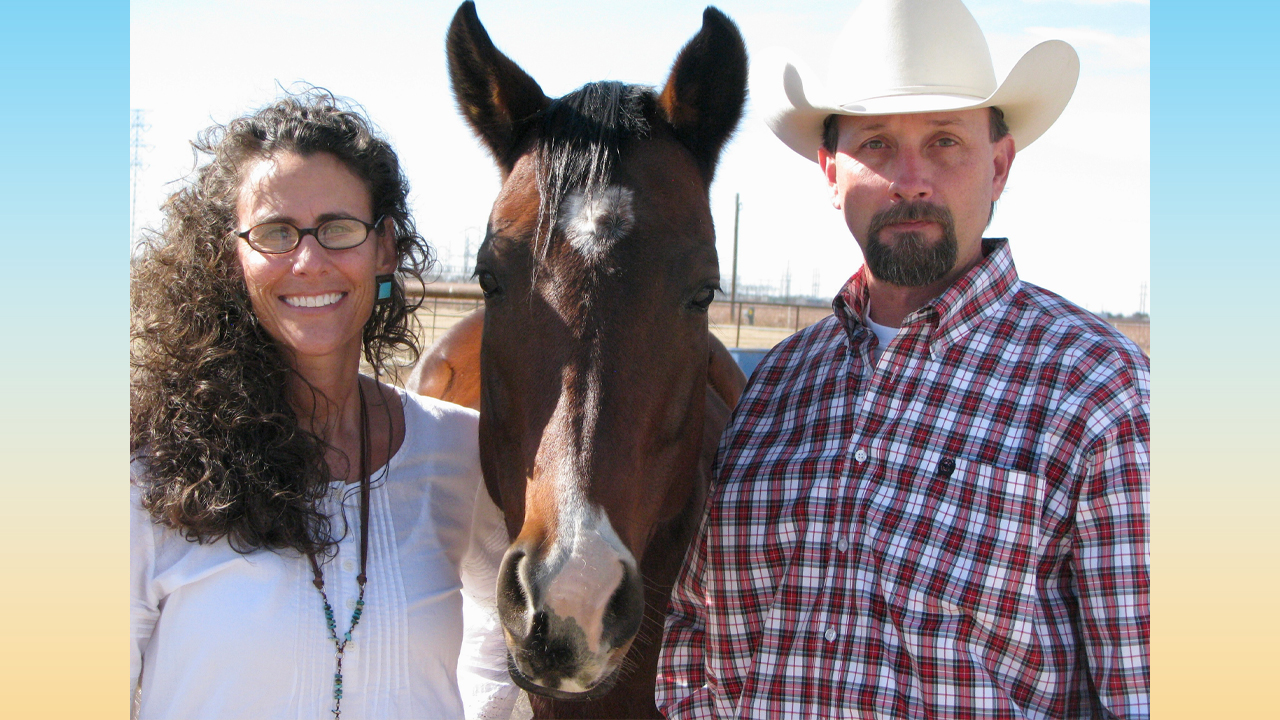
x=210, y=418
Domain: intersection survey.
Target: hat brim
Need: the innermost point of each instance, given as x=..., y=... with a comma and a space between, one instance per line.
x=1032, y=96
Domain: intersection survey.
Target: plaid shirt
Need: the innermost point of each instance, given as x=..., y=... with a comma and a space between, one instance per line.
x=960, y=531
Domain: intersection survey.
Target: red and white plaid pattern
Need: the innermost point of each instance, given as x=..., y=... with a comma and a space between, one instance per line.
x=960, y=532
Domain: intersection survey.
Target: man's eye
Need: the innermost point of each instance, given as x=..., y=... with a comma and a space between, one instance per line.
x=947, y=142
x=875, y=145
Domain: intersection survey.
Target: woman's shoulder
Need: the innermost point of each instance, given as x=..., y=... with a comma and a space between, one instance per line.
x=439, y=429
x=437, y=415
x=155, y=547
x=440, y=457
x=436, y=408
x=138, y=481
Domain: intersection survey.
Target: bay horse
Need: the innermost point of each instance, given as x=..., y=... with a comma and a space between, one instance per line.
x=602, y=394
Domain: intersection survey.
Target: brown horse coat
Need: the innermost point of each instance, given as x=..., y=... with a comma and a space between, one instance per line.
x=601, y=392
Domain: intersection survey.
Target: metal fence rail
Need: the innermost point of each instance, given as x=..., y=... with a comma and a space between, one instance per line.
x=761, y=324
x=745, y=324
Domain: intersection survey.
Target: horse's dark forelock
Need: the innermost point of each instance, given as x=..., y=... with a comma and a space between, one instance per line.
x=580, y=139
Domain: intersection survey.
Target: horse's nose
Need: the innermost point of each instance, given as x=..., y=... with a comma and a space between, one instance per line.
x=569, y=610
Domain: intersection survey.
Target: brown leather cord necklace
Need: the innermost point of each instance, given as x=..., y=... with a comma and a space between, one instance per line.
x=341, y=645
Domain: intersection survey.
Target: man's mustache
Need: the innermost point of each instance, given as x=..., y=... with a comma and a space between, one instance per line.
x=917, y=211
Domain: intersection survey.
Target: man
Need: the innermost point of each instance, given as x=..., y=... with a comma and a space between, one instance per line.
x=934, y=503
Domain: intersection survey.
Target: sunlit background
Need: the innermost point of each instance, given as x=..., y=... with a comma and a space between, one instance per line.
x=1075, y=208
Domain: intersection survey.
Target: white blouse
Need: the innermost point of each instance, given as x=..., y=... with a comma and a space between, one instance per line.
x=217, y=634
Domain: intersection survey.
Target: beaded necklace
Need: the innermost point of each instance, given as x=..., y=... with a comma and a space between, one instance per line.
x=340, y=646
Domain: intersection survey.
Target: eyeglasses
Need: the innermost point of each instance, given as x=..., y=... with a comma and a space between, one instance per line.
x=281, y=237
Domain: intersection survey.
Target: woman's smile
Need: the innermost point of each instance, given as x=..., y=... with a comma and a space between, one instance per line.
x=313, y=301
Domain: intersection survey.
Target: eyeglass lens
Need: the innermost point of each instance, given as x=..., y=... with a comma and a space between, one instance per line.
x=282, y=237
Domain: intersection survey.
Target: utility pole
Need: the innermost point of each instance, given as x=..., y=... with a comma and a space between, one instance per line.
x=734, y=311
x=471, y=237
x=137, y=126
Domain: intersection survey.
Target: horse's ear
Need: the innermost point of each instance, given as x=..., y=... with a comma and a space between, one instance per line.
x=707, y=88
x=498, y=99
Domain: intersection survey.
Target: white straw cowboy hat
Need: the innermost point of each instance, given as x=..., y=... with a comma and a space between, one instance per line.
x=912, y=56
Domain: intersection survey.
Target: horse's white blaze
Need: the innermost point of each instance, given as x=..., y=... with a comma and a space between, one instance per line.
x=587, y=561
x=592, y=223
x=590, y=559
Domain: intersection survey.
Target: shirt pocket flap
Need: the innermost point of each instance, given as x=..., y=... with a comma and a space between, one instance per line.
x=961, y=539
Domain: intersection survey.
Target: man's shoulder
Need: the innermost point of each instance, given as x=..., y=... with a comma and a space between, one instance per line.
x=1062, y=332
x=802, y=352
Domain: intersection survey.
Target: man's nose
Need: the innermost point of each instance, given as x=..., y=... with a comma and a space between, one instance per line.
x=911, y=180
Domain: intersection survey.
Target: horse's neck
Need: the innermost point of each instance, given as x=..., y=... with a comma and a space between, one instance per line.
x=666, y=550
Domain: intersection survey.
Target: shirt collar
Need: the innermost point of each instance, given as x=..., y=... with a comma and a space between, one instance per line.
x=978, y=293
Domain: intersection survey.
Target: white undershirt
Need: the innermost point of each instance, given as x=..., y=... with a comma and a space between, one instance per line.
x=884, y=333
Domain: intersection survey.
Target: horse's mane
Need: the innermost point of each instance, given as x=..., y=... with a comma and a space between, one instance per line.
x=579, y=140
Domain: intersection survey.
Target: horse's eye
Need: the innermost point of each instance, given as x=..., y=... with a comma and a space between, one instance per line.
x=488, y=283
x=702, y=300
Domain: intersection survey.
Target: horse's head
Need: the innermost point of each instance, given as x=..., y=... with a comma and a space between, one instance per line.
x=598, y=267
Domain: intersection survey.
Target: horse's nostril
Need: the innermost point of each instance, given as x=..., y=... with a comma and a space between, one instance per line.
x=625, y=610
x=515, y=588
x=513, y=597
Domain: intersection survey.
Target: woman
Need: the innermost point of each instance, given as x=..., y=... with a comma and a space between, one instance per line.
x=301, y=533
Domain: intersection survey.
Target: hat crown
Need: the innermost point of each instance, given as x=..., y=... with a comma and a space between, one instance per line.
x=909, y=47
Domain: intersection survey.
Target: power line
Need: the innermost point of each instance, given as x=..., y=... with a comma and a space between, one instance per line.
x=137, y=126
x=734, y=309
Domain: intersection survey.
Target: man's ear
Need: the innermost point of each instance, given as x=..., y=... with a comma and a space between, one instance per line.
x=1003, y=153
x=827, y=162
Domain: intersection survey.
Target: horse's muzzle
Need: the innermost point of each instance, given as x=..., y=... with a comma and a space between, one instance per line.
x=600, y=689
x=568, y=622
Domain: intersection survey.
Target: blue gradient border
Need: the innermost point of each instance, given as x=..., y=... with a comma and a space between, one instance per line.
x=65, y=186
x=64, y=122
x=1214, y=253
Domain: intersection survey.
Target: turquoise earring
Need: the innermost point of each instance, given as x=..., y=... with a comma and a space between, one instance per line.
x=384, y=287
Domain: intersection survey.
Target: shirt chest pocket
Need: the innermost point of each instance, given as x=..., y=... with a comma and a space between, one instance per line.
x=963, y=540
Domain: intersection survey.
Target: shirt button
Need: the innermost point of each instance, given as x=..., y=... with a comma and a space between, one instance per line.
x=860, y=456
x=842, y=545
x=830, y=634
x=349, y=565
x=351, y=603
